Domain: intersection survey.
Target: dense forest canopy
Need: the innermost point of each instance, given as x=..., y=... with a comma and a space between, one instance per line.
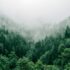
x=20, y=53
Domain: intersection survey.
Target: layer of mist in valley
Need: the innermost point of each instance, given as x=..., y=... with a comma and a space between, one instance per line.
x=38, y=32
x=35, y=19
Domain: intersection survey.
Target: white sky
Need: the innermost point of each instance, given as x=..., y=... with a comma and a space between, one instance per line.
x=31, y=11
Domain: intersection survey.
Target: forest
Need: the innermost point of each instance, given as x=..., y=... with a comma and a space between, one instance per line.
x=17, y=53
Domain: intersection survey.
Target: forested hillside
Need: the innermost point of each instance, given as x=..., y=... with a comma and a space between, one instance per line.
x=18, y=53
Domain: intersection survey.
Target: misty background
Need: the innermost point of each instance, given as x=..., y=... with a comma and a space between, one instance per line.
x=37, y=18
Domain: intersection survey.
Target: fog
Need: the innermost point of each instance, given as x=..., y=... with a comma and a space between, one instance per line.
x=35, y=13
x=36, y=10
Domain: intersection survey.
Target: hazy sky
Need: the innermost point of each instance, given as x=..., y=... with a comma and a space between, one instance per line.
x=32, y=11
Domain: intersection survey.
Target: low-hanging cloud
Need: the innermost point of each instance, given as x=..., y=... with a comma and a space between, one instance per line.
x=29, y=10
x=35, y=14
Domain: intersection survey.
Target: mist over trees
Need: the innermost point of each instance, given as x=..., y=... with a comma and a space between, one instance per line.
x=18, y=52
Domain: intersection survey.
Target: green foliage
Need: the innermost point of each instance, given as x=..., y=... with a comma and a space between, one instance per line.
x=67, y=32
x=25, y=64
x=39, y=66
x=12, y=60
x=67, y=66
x=38, y=51
x=67, y=43
x=16, y=53
x=61, y=48
x=4, y=63
x=52, y=67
